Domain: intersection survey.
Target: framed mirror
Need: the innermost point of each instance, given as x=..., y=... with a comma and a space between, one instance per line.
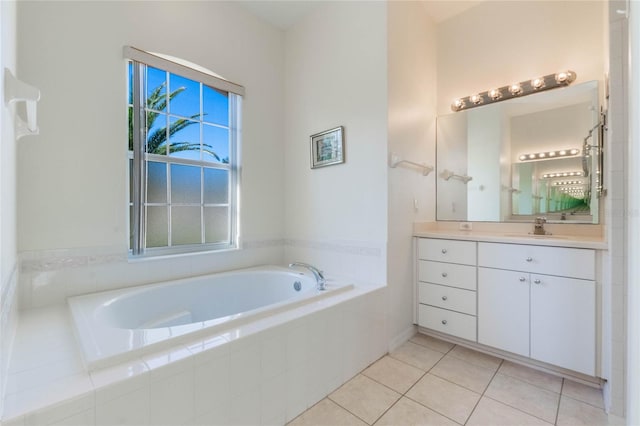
x=511, y=161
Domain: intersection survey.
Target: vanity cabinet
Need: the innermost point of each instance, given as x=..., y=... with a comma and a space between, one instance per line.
x=447, y=286
x=539, y=302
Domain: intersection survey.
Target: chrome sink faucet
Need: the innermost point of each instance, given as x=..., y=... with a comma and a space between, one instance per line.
x=320, y=281
x=538, y=226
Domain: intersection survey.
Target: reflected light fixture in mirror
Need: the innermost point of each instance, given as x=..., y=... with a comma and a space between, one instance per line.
x=550, y=81
x=549, y=155
x=561, y=174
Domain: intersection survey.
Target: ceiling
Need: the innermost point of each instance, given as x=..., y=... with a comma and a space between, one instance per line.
x=284, y=14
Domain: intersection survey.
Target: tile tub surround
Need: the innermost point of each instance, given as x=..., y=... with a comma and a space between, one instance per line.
x=428, y=381
x=265, y=372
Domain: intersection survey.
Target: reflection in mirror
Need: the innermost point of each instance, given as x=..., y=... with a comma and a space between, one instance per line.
x=526, y=157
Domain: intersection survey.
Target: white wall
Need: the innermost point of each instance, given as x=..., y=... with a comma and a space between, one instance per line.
x=73, y=177
x=411, y=104
x=336, y=75
x=499, y=42
x=8, y=251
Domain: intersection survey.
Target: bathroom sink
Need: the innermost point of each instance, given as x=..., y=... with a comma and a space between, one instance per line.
x=542, y=237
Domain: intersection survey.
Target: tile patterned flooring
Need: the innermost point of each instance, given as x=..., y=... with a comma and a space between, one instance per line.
x=430, y=382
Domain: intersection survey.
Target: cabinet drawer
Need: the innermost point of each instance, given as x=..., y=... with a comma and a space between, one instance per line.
x=559, y=261
x=445, y=297
x=452, y=251
x=451, y=274
x=444, y=321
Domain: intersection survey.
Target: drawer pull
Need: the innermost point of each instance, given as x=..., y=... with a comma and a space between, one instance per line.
x=522, y=279
x=444, y=297
x=444, y=322
x=536, y=281
x=444, y=275
x=444, y=251
x=529, y=259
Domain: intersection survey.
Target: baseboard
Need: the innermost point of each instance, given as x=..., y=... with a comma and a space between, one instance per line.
x=401, y=338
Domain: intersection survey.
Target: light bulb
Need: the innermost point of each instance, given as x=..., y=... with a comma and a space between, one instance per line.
x=495, y=94
x=574, y=151
x=563, y=152
x=532, y=156
x=476, y=99
x=537, y=83
x=522, y=157
x=515, y=89
x=458, y=104
x=552, y=154
x=561, y=77
x=541, y=155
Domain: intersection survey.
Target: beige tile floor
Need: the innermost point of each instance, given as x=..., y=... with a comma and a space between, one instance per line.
x=430, y=382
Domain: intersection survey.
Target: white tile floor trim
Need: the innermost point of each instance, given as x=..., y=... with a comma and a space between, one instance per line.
x=262, y=373
x=428, y=381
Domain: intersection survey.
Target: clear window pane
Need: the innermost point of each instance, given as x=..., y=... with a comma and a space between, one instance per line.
x=156, y=182
x=157, y=226
x=215, y=144
x=216, y=224
x=184, y=138
x=185, y=184
x=185, y=225
x=156, y=133
x=215, y=106
x=216, y=186
x=184, y=97
x=130, y=101
x=156, y=89
x=130, y=116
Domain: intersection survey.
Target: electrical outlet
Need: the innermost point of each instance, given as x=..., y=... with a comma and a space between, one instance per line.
x=465, y=226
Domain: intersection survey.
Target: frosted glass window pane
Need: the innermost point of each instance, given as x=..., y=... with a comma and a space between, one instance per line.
x=216, y=224
x=130, y=181
x=157, y=227
x=184, y=138
x=215, y=106
x=215, y=144
x=185, y=184
x=185, y=97
x=156, y=133
x=156, y=89
x=185, y=225
x=216, y=186
x=156, y=182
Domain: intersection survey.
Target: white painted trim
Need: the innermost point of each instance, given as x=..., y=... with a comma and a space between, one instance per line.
x=401, y=338
x=183, y=68
x=633, y=209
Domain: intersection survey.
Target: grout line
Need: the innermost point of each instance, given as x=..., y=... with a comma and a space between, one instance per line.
x=483, y=392
x=559, y=400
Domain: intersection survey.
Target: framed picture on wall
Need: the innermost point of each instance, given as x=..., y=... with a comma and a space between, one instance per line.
x=327, y=148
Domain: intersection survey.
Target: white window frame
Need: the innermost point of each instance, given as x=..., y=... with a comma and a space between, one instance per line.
x=140, y=59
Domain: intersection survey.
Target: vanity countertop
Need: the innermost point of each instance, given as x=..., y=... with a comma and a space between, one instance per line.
x=513, y=235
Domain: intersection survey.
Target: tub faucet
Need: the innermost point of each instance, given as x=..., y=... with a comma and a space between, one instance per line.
x=320, y=281
x=538, y=226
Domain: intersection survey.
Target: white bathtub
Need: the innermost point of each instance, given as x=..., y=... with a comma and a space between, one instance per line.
x=114, y=326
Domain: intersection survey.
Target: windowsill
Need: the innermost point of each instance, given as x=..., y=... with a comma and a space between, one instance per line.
x=168, y=255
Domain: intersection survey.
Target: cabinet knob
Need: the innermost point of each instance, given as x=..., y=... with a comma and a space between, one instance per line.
x=522, y=279
x=529, y=259
x=444, y=251
x=536, y=281
x=444, y=275
x=444, y=297
x=444, y=322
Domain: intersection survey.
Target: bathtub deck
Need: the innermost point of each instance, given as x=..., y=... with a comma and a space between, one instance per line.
x=47, y=380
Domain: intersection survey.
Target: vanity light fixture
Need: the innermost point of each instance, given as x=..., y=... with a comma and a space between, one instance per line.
x=568, y=182
x=549, y=154
x=561, y=175
x=550, y=81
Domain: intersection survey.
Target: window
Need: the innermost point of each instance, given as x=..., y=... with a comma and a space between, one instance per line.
x=184, y=126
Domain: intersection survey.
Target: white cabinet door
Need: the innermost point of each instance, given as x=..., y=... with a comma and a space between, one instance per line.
x=563, y=322
x=503, y=310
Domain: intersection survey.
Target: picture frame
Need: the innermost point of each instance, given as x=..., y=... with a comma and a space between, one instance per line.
x=327, y=148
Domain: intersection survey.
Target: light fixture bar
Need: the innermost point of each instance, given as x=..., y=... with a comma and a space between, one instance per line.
x=549, y=155
x=524, y=88
x=568, y=182
x=562, y=174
